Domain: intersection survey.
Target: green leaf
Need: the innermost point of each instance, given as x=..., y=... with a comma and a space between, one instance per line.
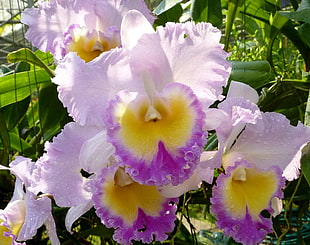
x=47, y=58
x=232, y=13
x=99, y=230
x=16, y=87
x=254, y=73
x=14, y=113
x=278, y=21
x=20, y=145
x=290, y=31
x=22, y=66
x=165, y=5
x=171, y=15
x=28, y=56
x=301, y=14
x=4, y=69
x=304, y=31
x=5, y=140
x=257, y=9
x=207, y=11
x=51, y=111
x=285, y=94
x=305, y=162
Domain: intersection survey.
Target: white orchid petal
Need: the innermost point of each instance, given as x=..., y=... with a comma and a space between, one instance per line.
x=133, y=26
x=238, y=89
x=76, y=212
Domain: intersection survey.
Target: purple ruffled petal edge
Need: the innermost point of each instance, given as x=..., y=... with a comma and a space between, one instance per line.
x=164, y=168
x=246, y=230
x=145, y=228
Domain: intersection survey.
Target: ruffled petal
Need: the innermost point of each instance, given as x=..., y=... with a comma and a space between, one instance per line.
x=206, y=170
x=229, y=121
x=207, y=70
x=292, y=170
x=93, y=82
x=271, y=141
x=238, y=203
x=22, y=168
x=137, y=212
x=37, y=211
x=62, y=156
x=161, y=143
x=216, y=118
x=6, y=236
x=48, y=22
x=26, y=212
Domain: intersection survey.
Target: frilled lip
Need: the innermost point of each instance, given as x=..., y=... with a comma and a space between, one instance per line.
x=165, y=152
x=238, y=207
x=144, y=227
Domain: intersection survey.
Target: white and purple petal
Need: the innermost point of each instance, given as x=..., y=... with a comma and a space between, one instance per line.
x=242, y=90
x=272, y=141
x=50, y=21
x=86, y=88
x=207, y=69
x=58, y=171
x=38, y=210
x=76, y=212
x=229, y=120
x=26, y=212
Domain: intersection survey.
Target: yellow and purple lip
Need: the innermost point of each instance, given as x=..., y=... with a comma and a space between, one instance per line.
x=6, y=235
x=136, y=211
x=160, y=141
x=239, y=197
x=89, y=45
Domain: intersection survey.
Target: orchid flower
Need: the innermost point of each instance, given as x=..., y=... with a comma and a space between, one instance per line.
x=25, y=212
x=153, y=108
x=162, y=53
x=87, y=27
x=120, y=202
x=254, y=149
x=146, y=54
x=137, y=212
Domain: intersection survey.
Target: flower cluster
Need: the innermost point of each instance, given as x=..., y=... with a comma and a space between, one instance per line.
x=141, y=117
